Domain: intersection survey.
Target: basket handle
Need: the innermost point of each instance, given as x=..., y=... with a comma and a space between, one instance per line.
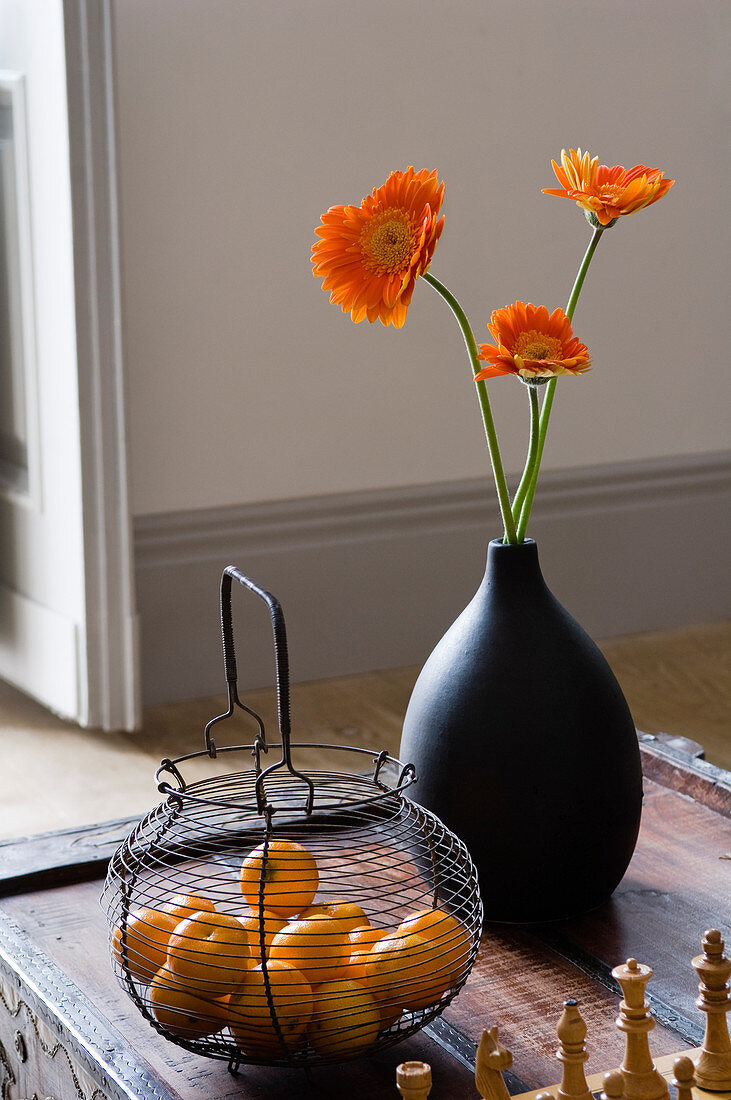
x=279, y=630
x=281, y=658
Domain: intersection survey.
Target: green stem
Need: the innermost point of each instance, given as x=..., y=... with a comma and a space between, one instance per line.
x=532, y=451
x=533, y=482
x=492, y=441
x=550, y=390
x=581, y=274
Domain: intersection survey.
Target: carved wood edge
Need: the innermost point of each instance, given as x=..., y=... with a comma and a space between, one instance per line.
x=706, y=783
x=47, y=1045
x=49, y=1000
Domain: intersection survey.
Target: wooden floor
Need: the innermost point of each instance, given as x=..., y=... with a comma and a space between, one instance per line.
x=54, y=775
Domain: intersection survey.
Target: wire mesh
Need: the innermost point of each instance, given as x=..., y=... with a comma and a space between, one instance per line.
x=216, y=934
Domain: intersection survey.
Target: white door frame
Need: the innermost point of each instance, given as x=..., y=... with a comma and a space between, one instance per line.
x=111, y=699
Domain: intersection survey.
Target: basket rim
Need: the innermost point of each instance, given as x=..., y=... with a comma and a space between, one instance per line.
x=185, y=792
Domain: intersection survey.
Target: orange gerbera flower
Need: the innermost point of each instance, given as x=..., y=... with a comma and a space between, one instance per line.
x=371, y=255
x=607, y=193
x=532, y=344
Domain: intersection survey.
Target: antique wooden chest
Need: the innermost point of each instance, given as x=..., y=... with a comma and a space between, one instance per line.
x=68, y=1032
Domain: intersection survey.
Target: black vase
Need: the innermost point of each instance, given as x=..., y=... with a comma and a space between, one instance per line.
x=524, y=746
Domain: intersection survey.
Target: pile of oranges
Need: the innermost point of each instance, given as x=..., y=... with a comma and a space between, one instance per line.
x=289, y=972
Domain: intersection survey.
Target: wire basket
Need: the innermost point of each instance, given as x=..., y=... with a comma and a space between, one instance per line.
x=284, y=917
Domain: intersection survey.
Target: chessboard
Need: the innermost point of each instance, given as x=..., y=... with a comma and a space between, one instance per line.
x=664, y=1066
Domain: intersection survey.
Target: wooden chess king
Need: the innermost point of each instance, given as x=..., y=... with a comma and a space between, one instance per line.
x=707, y=1074
x=713, y=1068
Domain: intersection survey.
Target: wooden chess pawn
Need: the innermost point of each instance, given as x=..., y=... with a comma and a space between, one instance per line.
x=490, y=1062
x=684, y=1078
x=713, y=1065
x=642, y=1081
x=572, y=1054
x=413, y=1080
x=613, y=1086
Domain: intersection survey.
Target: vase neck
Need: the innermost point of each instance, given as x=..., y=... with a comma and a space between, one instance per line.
x=511, y=566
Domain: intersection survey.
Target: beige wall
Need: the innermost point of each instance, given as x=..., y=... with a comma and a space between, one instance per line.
x=242, y=120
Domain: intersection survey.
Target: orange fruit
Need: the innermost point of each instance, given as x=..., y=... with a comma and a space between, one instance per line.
x=185, y=905
x=406, y=970
x=319, y=947
x=346, y=911
x=361, y=942
x=346, y=1019
x=250, y=1016
x=210, y=953
x=445, y=932
x=272, y=925
x=385, y=968
x=145, y=944
x=389, y=1013
x=182, y=1012
x=290, y=877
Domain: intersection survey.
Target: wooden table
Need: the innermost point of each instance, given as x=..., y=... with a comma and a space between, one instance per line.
x=67, y=1030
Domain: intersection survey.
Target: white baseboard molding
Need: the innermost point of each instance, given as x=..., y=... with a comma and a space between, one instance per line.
x=372, y=580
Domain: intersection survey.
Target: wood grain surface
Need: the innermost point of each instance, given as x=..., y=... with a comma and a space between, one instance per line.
x=678, y=884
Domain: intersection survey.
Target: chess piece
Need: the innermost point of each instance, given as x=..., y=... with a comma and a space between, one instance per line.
x=613, y=1086
x=713, y=1065
x=413, y=1080
x=683, y=1078
x=572, y=1054
x=491, y=1060
x=642, y=1081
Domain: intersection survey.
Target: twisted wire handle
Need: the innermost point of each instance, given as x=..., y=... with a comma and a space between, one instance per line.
x=281, y=653
x=281, y=658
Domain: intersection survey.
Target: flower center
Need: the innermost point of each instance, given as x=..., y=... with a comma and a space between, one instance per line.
x=610, y=193
x=386, y=242
x=537, y=345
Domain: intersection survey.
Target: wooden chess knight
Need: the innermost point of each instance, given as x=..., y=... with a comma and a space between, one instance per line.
x=491, y=1060
x=638, y=1078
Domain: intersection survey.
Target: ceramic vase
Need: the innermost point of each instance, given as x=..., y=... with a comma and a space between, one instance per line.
x=524, y=746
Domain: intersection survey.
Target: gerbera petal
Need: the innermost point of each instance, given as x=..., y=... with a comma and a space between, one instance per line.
x=392, y=291
x=397, y=315
x=491, y=371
